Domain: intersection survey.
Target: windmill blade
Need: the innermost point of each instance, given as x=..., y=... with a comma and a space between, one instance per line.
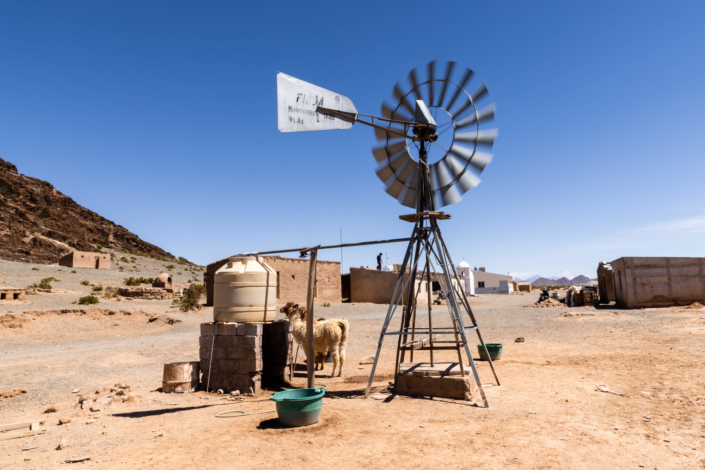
x=479, y=160
x=431, y=68
x=450, y=195
x=398, y=167
x=466, y=179
x=383, y=152
x=481, y=137
x=480, y=93
x=389, y=113
x=444, y=176
x=397, y=183
x=399, y=159
x=297, y=101
x=415, y=84
x=461, y=110
x=409, y=194
x=392, y=134
x=449, y=72
x=401, y=97
x=384, y=172
x=485, y=114
x=463, y=81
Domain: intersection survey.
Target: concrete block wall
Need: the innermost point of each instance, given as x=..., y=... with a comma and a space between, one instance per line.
x=239, y=361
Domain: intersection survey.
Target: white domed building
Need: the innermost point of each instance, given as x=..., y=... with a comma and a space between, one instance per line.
x=465, y=272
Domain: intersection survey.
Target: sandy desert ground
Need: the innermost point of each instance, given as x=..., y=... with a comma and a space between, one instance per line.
x=546, y=414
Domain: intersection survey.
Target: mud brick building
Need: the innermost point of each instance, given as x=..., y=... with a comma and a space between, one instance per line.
x=84, y=259
x=605, y=282
x=292, y=279
x=11, y=293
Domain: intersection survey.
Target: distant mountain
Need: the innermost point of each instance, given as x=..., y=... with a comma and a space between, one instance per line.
x=562, y=281
x=581, y=280
x=531, y=279
x=543, y=281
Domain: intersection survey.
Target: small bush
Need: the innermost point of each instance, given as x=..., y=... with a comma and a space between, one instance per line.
x=100, y=247
x=73, y=272
x=169, y=267
x=46, y=283
x=192, y=300
x=124, y=260
x=85, y=283
x=325, y=304
x=88, y=300
x=137, y=281
x=30, y=291
x=111, y=292
x=35, y=269
x=97, y=288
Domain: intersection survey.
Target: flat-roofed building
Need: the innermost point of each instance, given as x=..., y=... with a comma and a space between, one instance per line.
x=85, y=259
x=658, y=282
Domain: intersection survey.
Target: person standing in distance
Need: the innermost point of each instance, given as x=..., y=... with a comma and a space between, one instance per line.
x=379, y=262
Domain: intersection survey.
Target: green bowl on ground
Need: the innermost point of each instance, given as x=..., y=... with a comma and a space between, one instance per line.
x=300, y=407
x=495, y=350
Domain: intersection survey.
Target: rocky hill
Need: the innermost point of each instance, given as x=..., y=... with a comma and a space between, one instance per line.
x=38, y=224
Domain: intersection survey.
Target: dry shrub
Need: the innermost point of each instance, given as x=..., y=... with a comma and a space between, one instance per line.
x=192, y=299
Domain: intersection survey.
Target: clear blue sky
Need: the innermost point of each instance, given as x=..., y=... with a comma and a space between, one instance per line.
x=161, y=116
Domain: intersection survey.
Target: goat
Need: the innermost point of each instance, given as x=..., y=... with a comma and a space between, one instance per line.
x=327, y=334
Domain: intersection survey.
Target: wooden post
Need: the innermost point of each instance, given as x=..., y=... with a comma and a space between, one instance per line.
x=310, y=358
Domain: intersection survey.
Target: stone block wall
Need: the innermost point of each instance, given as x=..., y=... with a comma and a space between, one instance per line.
x=146, y=293
x=239, y=361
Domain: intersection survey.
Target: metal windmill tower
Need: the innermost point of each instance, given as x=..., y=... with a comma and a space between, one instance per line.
x=446, y=127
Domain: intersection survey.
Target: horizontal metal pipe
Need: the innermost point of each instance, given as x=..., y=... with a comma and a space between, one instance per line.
x=345, y=245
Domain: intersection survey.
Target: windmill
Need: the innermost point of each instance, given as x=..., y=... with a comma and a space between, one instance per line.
x=446, y=127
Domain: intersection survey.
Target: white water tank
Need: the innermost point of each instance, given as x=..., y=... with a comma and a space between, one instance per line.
x=242, y=288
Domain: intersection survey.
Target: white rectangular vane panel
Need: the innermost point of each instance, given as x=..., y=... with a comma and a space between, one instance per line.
x=297, y=102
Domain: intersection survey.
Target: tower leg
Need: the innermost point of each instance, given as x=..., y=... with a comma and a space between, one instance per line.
x=392, y=307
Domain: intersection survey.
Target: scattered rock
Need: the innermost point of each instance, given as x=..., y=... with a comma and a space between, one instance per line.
x=75, y=390
x=220, y=391
x=52, y=409
x=105, y=400
x=235, y=393
x=63, y=444
x=64, y=421
x=78, y=459
x=379, y=396
x=520, y=339
x=367, y=360
x=91, y=421
x=160, y=434
x=172, y=321
x=95, y=409
x=13, y=393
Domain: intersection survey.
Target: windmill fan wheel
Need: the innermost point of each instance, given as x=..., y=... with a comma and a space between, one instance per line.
x=457, y=151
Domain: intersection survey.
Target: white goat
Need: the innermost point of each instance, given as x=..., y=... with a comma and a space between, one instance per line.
x=327, y=334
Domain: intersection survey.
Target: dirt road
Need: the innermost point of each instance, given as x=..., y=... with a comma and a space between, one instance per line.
x=545, y=415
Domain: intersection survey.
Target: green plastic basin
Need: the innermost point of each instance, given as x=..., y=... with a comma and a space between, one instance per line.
x=495, y=350
x=299, y=407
